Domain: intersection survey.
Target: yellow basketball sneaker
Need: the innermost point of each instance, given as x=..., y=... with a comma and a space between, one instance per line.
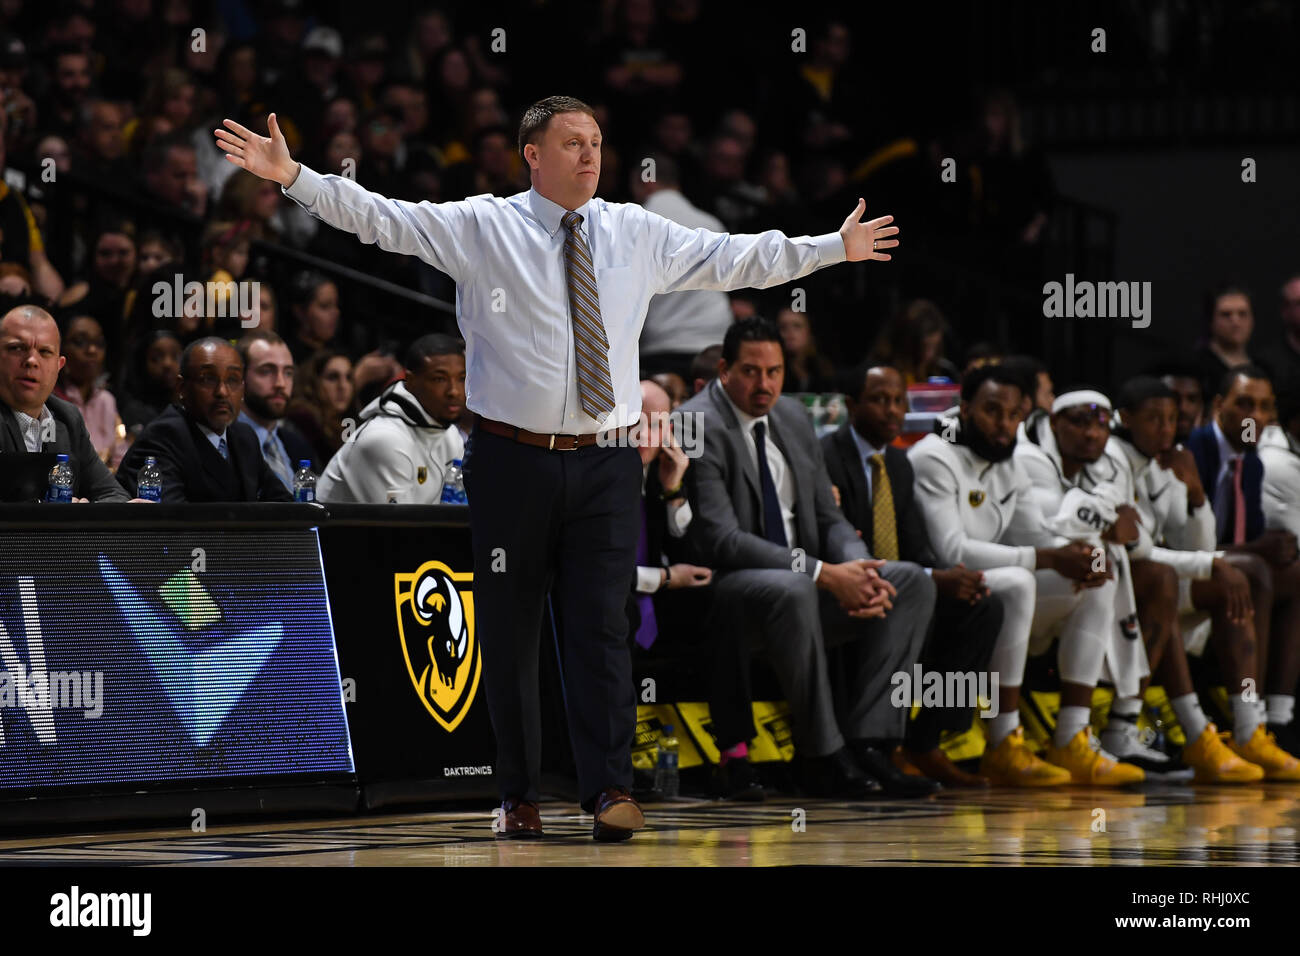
x=1262, y=749
x=1012, y=764
x=1214, y=761
x=1088, y=764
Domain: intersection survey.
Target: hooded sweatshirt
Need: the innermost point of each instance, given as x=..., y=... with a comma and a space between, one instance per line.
x=1083, y=508
x=398, y=447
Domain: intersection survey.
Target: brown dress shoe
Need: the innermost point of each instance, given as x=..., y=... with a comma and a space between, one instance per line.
x=936, y=765
x=617, y=815
x=522, y=820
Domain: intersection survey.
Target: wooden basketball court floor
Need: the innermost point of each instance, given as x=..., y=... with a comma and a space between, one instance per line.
x=1167, y=826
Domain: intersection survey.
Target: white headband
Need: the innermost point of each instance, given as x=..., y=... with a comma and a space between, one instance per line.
x=1084, y=397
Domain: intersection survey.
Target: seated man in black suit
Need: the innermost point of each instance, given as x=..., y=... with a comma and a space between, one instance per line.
x=268, y=386
x=792, y=577
x=202, y=452
x=875, y=482
x=1232, y=476
x=32, y=420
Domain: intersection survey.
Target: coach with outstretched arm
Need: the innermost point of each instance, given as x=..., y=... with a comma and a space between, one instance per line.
x=551, y=293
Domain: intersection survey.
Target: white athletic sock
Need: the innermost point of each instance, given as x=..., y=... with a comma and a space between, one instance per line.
x=1190, y=716
x=1280, y=707
x=1069, y=722
x=1126, y=708
x=1003, y=726
x=1246, y=717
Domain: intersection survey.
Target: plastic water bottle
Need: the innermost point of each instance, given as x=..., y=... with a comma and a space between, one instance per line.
x=60, y=482
x=666, y=779
x=453, y=486
x=148, y=484
x=304, y=482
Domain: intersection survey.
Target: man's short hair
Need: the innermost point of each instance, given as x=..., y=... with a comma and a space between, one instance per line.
x=1142, y=389
x=56, y=53
x=665, y=167
x=974, y=380
x=427, y=346
x=753, y=329
x=197, y=344
x=486, y=133
x=1248, y=371
x=538, y=116
x=705, y=364
x=1027, y=367
x=245, y=344
x=852, y=381
x=1177, y=368
x=155, y=154
x=1215, y=293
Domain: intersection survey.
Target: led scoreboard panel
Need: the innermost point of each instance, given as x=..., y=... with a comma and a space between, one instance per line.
x=139, y=655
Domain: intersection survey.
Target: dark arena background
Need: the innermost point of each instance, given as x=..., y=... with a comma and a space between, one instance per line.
x=1090, y=196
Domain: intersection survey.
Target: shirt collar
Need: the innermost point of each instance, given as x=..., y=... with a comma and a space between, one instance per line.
x=212, y=436
x=27, y=421
x=746, y=420
x=1226, y=451
x=262, y=433
x=551, y=214
x=865, y=448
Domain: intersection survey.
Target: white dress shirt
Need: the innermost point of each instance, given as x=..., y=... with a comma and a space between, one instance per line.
x=782, y=476
x=33, y=427
x=506, y=256
x=684, y=321
x=215, y=438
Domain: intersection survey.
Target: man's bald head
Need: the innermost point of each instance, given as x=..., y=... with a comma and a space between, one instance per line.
x=29, y=358
x=655, y=406
x=29, y=313
x=212, y=382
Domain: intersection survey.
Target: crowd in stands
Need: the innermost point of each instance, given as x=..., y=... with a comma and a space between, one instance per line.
x=112, y=184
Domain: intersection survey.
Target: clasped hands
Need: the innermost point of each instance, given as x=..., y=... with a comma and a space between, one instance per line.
x=858, y=586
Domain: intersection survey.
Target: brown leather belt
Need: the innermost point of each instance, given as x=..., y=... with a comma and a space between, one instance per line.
x=555, y=442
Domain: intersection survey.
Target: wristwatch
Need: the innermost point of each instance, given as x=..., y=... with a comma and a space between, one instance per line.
x=671, y=493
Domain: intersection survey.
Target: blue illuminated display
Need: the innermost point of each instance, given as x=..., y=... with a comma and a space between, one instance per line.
x=179, y=655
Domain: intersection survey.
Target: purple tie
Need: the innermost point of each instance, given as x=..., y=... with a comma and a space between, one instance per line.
x=649, y=630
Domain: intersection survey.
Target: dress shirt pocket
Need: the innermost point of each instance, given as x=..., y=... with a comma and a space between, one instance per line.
x=614, y=283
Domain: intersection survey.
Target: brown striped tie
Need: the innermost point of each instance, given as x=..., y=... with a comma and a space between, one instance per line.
x=590, y=346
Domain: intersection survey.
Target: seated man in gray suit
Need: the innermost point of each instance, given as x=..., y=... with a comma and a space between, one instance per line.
x=767, y=523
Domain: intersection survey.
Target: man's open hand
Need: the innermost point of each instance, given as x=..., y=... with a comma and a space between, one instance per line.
x=864, y=240
x=263, y=156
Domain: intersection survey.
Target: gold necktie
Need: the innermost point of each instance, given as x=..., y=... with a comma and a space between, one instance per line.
x=884, y=529
x=590, y=346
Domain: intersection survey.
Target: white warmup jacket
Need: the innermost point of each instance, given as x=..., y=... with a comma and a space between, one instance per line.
x=1081, y=509
x=398, y=447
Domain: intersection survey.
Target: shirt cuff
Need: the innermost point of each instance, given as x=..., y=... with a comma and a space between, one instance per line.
x=1029, y=557
x=647, y=580
x=830, y=248
x=679, y=517
x=817, y=570
x=305, y=188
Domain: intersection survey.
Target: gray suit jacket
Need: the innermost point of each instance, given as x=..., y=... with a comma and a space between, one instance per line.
x=727, y=502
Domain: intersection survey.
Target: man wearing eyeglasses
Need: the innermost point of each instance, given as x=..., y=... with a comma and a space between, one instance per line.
x=203, y=452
